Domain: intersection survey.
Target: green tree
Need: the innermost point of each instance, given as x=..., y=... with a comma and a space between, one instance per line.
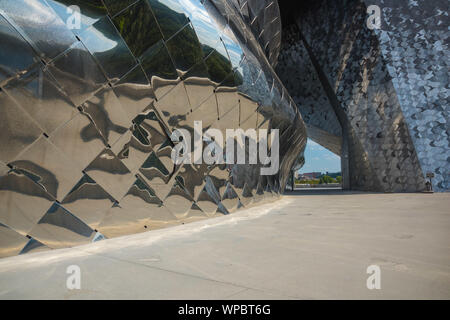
x=326, y=179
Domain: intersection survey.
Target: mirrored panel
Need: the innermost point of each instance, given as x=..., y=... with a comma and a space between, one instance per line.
x=107, y=114
x=160, y=70
x=131, y=151
x=11, y=242
x=134, y=91
x=178, y=201
x=48, y=167
x=77, y=73
x=230, y=199
x=156, y=175
x=24, y=57
x=198, y=85
x=138, y=27
x=207, y=203
x=90, y=12
x=184, y=48
x=58, y=228
x=110, y=173
x=39, y=24
x=18, y=129
x=79, y=140
x=109, y=49
x=116, y=6
x=170, y=16
x=33, y=246
x=173, y=106
x=22, y=201
x=40, y=96
x=88, y=201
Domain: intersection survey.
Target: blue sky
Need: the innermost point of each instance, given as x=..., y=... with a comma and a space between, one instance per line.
x=319, y=159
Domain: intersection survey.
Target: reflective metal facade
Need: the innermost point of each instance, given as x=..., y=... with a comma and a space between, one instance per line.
x=263, y=18
x=86, y=114
x=378, y=98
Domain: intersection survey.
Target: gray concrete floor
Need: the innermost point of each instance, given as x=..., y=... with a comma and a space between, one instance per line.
x=308, y=245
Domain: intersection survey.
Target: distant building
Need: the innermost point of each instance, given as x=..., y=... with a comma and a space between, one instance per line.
x=310, y=175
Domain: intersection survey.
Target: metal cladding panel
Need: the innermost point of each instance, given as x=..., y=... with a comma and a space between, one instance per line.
x=88, y=103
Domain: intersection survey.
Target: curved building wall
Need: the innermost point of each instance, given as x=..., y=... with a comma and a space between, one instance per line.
x=86, y=115
x=263, y=18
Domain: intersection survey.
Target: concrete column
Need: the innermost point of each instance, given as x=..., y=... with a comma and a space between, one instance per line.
x=345, y=167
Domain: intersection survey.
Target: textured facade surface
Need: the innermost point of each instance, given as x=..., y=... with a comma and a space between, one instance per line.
x=384, y=92
x=263, y=18
x=86, y=114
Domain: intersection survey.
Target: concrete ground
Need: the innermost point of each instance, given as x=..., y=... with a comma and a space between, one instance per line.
x=308, y=245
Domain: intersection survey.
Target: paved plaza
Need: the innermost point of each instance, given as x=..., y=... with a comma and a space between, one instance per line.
x=308, y=245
